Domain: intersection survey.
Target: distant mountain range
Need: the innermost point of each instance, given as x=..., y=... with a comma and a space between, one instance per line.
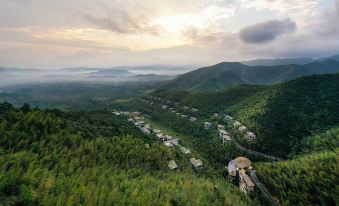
x=225, y=74
x=286, y=61
x=112, y=72
x=278, y=61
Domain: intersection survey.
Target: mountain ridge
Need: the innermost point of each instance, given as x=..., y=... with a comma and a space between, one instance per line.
x=226, y=74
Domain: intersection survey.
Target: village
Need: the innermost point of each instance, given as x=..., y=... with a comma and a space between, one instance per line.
x=136, y=118
x=223, y=134
x=240, y=171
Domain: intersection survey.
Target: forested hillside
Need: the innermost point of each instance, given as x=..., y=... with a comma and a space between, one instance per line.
x=281, y=115
x=308, y=180
x=228, y=74
x=296, y=120
x=57, y=158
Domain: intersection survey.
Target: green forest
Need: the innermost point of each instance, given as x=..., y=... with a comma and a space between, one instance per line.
x=308, y=180
x=82, y=158
x=92, y=157
x=309, y=142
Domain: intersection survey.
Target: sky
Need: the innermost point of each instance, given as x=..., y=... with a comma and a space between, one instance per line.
x=50, y=34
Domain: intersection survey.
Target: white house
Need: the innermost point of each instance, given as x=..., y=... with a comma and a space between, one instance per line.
x=236, y=124
x=168, y=144
x=193, y=119
x=174, y=142
x=242, y=129
x=136, y=114
x=250, y=136
x=156, y=131
x=161, y=136
x=116, y=113
x=146, y=131
x=172, y=165
x=196, y=162
x=207, y=125
x=194, y=110
x=220, y=126
x=183, y=116
x=223, y=132
x=164, y=106
x=168, y=137
x=225, y=138
x=185, y=150
x=228, y=118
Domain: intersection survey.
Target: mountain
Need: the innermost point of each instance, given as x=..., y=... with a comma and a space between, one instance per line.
x=287, y=61
x=226, y=74
x=334, y=57
x=152, y=77
x=278, y=61
x=111, y=73
x=13, y=70
x=79, y=69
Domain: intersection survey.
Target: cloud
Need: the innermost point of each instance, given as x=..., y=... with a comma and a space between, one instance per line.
x=126, y=17
x=326, y=24
x=300, y=8
x=266, y=31
x=122, y=23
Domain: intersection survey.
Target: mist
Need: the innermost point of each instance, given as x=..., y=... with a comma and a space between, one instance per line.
x=15, y=76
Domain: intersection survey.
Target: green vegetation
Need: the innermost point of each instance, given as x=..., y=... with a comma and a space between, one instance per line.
x=281, y=115
x=327, y=141
x=296, y=120
x=73, y=95
x=309, y=180
x=94, y=158
x=227, y=74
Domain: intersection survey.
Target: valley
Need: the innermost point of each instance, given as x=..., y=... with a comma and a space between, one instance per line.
x=122, y=142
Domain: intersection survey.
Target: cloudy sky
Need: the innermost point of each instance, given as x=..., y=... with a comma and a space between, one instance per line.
x=102, y=33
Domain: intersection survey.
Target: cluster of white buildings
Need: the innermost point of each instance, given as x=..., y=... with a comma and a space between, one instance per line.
x=122, y=113
x=223, y=134
x=168, y=140
x=172, y=110
x=250, y=136
x=145, y=128
x=147, y=102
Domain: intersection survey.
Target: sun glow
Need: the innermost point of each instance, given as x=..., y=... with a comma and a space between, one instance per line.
x=106, y=39
x=176, y=23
